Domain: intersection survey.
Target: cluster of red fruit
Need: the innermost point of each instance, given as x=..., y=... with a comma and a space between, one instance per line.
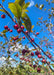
x=36, y=53
x=27, y=60
x=19, y=30
x=25, y=51
x=34, y=66
x=6, y=27
x=39, y=56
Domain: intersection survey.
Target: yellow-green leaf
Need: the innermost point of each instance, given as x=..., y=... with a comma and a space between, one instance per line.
x=32, y=27
x=20, y=2
x=26, y=5
x=52, y=65
x=24, y=10
x=31, y=31
x=53, y=1
x=45, y=9
x=3, y=0
x=23, y=24
x=19, y=39
x=3, y=10
x=26, y=21
x=36, y=5
x=41, y=6
x=16, y=9
x=47, y=0
x=4, y=31
x=5, y=43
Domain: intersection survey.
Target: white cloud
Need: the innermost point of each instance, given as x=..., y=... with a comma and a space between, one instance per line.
x=2, y=59
x=31, y=3
x=16, y=49
x=4, y=62
x=10, y=58
x=19, y=47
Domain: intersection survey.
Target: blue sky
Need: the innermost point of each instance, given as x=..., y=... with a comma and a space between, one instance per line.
x=34, y=14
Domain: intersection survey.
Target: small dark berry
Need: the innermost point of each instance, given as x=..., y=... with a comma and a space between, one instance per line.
x=16, y=26
x=26, y=32
x=23, y=37
x=32, y=54
x=6, y=27
x=19, y=30
x=22, y=27
x=3, y=16
x=38, y=69
x=39, y=56
x=11, y=30
x=37, y=33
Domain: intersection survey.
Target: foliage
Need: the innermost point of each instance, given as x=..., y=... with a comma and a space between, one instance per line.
x=5, y=70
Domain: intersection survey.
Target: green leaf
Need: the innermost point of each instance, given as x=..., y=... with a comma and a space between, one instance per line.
x=5, y=43
x=4, y=31
x=50, y=15
x=0, y=35
x=47, y=0
x=47, y=25
x=52, y=8
x=3, y=47
x=0, y=6
x=19, y=39
x=45, y=9
x=15, y=9
x=53, y=1
x=3, y=34
x=21, y=66
x=27, y=22
x=8, y=52
x=24, y=10
x=26, y=5
x=36, y=5
x=3, y=0
x=1, y=42
x=52, y=65
x=17, y=72
x=20, y=2
x=41, y=6
x=3, y=10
